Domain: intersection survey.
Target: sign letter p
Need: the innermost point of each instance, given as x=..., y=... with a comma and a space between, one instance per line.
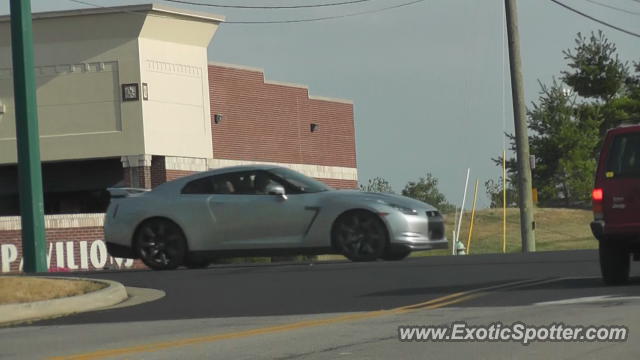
x=8, y=254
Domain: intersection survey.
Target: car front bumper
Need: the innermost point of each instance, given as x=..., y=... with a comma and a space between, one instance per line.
x=416, y=232
x=417, y=242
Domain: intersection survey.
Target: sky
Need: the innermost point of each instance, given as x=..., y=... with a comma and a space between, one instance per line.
x=429, y=82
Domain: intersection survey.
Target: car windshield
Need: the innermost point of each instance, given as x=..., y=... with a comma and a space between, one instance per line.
x=301, y=182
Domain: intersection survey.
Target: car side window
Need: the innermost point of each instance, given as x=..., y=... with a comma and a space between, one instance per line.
x=254, y=182
x=199, y=186
x=209, y=185
x=238, y=183
x=262, y=180
x=624, y=159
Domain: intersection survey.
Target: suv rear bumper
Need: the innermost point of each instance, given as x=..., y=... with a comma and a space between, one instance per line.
x=597, y=228
x=602, y=232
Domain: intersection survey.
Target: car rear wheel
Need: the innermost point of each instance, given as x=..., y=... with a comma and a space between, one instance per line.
x=360, y=236
x=614, y=262
x=160, y=244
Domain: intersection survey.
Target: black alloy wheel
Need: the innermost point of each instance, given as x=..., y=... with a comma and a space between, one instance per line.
x=360, y=236
x=161, y=244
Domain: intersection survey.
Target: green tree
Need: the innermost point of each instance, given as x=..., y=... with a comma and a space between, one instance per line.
x=595, y=68
x=563, y=139
x=495, y=194
x=598, y=75
x=426, y=190
x=570, y=116
x=628, y=105
x=377, y=184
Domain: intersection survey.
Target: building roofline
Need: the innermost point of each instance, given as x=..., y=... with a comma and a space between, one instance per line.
x=332, y=99
x=235, y=66
x=287, y=84
x=279, y=83
x=150, y=8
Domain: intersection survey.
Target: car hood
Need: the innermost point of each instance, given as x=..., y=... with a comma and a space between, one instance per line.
x=388, y=198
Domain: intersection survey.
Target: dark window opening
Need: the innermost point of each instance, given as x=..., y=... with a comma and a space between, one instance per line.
x=70, y=187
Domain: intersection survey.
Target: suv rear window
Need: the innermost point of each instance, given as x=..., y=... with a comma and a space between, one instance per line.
x=624, y=158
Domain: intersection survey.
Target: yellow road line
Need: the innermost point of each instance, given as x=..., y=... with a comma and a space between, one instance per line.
x=225, y=336
x=431, y=304
x=514, y=284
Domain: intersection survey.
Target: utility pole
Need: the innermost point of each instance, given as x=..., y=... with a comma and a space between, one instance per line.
x=527, y=224
x=27, y=138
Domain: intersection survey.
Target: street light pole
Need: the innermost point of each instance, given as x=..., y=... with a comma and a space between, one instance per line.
x=28, y=138
x=525, y=183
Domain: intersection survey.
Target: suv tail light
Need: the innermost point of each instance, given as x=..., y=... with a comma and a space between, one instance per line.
x=597, y=196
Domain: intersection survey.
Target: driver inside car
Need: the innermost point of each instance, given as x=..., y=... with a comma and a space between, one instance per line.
x=261, y=183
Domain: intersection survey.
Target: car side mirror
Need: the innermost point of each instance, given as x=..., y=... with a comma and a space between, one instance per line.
x=276, y=189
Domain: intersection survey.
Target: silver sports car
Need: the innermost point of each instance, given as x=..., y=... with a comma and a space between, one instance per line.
x=263, y=211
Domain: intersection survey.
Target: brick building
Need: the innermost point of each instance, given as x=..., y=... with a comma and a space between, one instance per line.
x=127, y=97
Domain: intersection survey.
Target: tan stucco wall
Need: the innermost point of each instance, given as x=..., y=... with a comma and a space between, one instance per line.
x=78, y=72
x=82, y=58
x=174, y=65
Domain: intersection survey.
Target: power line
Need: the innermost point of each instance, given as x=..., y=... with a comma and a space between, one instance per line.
x=613, y=7
x=278, y=21
x=596, y=20
x=122, y=11
x=327, y=17
x=267, y=7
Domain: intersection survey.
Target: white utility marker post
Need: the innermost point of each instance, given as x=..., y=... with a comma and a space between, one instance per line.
x=464, y=199
x=453, y=233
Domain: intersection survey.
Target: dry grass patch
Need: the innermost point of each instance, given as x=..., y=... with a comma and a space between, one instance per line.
x=19, y=289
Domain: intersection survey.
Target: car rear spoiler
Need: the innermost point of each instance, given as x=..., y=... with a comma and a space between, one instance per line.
x=125, y=192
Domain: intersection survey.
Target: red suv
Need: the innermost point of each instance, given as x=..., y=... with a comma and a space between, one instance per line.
x=616, y=203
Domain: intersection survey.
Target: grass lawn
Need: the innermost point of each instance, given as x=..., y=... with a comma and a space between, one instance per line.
x=556, y=229
x=18, y=289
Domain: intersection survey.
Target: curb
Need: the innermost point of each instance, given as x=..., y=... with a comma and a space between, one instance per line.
x=113, y=294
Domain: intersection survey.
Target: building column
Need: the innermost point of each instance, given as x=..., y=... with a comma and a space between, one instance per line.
x=158, y=171
x=137, y=171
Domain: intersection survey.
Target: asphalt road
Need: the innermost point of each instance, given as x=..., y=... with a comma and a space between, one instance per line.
x=331, y=310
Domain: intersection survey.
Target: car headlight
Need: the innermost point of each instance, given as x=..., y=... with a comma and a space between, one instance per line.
x=404, y=210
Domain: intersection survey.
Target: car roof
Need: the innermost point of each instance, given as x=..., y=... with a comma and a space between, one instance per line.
x=626, y=128
x=180, y=182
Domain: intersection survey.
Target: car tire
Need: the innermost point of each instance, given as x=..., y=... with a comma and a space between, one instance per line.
x=395, y=255
x=615, y=260
x=160, y=244
x=360, y=236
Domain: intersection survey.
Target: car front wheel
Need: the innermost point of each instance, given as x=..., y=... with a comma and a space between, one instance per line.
x=160, y=244
x=360, y=236
x=614, y=262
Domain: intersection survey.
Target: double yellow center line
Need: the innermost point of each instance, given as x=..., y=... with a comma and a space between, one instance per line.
x=431, y=304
